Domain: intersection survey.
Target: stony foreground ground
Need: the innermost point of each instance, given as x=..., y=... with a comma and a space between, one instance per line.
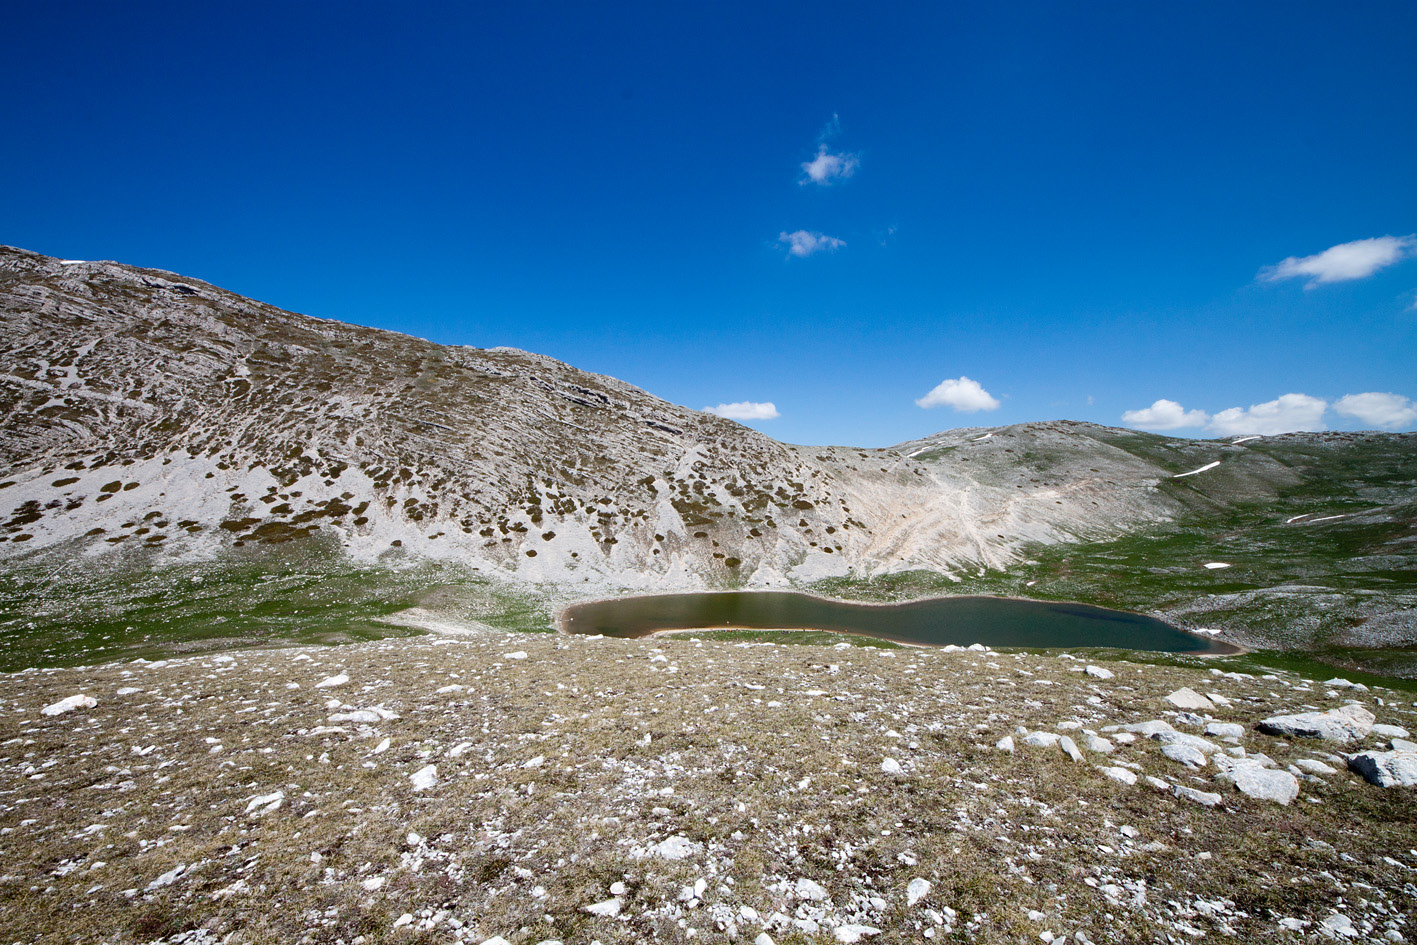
x=542, y=787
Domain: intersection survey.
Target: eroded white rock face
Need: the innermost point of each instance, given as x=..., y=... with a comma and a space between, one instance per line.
x=1386, y=768
x=1348, y=723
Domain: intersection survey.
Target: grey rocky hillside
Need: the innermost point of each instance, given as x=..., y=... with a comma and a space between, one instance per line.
x=147, y=412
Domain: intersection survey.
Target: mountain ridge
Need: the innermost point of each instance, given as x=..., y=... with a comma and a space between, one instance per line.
x=228, y=381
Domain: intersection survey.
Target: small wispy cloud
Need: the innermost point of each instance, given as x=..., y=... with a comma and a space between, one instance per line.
x=1165, y=415
x=961, y=393
x=1291, y=413
x=1344, y=262
x=745, y=410
x=1385, y=411
x=804, y=243
x=828, y=167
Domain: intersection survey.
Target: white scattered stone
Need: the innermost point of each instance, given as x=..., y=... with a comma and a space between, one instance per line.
x=811, y=891
x=518, y=655
x=366, y=716
x=1190, y=741
x=1187, y=698
x=373, y=883
x=1185, y=754
x=1124, y=738
x=1314, y=766
x=1157, y=783
x=854, y=933
x=1097, y=672
x=1120, y=774
x=495, y=940
x=675, y=848
x=1386, y=768
x=1205, y=798
x=1098, y=744
x=382, y=747
x=425, y=777
x=1339, y=725
x=1225, y=729
x=891, y=766
x=263, y=804
x=1390, y=731
x=1005, y=744
x=763, y=939
x=401, y=921
x=167, y=879
x=69, y=704
x=1142, y=728
x=917, y=890
x=329, y=682
x=1340, y=926
x=1266, y=784
x=608, y=909
x=1042, y=739
x=1070, y=748
x=618, y=888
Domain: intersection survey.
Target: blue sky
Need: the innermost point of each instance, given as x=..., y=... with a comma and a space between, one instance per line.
x=1197, y=216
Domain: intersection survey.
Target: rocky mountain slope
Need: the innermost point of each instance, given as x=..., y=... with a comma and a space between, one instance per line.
x=144, y=409
x=145, y=417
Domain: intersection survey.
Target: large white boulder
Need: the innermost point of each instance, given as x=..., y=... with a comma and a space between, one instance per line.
x=69, y=704
x=1386, y=768
x=1187, y=698
x=1338, y=725
x=1266, y=784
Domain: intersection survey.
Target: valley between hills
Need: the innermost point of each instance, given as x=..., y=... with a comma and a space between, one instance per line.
x=200, y=494
x=182, y=467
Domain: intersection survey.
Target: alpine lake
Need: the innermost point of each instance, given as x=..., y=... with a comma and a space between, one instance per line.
x=935, y=622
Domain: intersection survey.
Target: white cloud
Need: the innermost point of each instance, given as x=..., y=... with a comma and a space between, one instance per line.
x=1165, y=415
x=1291, y=413
x=1346, y=261
x=745, y=410
x=961, y=393
x=827, y=167
x=1388, y=411
x=803, y=243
